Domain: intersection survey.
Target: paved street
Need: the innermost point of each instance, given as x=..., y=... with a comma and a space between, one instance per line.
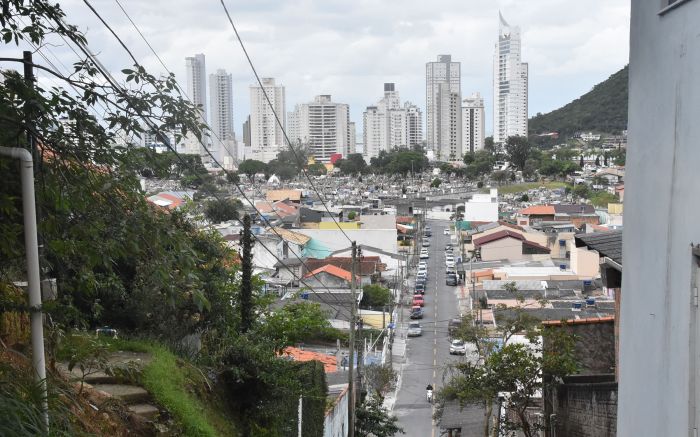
x=427, y=355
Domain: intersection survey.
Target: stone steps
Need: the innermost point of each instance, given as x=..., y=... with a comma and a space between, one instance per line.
x=130, y=394
x=147, y=411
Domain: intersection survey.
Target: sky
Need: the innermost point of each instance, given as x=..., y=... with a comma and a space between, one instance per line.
x=350, y=48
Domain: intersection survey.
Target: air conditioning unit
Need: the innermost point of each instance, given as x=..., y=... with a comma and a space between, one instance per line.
x=576, y=306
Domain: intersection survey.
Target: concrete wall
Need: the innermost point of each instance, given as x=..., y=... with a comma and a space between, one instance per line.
x=322, y=280
x=336, y=421
x=584, y=262
x=661, y=211
x=584, y=409
x=505, y=248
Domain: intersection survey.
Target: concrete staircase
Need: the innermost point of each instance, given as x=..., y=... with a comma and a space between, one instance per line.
x=137, y=399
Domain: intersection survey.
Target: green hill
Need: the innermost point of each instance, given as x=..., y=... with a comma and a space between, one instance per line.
x=603, y=109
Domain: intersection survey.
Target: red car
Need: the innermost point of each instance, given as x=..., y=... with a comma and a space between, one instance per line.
x=417, y=300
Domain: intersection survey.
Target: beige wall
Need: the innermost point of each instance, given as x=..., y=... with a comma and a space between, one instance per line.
x=584, y=262
x=505, y=248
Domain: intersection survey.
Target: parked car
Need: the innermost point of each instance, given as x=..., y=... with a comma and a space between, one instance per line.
x=416, y=312
x=447, y=231
x=458, y=347
x=414, y=329
x=422, y=263
x=417, y=300
x=420, y=287
x=450, y=263
x=424, y=255
x=426, y=243
x=451, y=280
x=421, y=280
x=422, y=274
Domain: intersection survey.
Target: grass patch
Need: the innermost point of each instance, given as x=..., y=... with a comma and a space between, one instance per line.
x=169, y=380
x=520, y=188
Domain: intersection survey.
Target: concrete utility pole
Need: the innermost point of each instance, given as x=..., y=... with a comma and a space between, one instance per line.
x=33, y=280
x=351, y=353
x=361, y=350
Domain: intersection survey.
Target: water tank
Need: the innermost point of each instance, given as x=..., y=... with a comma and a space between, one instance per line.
x=590, y=302
x=576, y=306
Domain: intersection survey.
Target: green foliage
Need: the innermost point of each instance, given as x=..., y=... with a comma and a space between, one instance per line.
x=602, y=198
x=500, y=176
x=252, y=167
x=379, y=379
x=317, y=169
x=581, y=191
x=354, y=163
x=525, y=198
x=478, y=163
x=352, y=215
x=288, y=164
x=375, y=297
x=603, y=109
x=518, y=151
x=436, y=183
x=295, y=323
x=399, y=161
x=372, y=419
x=246, y=289
x=221, y=210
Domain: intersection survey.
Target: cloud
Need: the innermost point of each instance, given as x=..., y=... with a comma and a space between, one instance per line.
x=349, y=49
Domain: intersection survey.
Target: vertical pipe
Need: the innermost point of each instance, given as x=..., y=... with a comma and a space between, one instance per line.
x=351, y=353
x=33, y=280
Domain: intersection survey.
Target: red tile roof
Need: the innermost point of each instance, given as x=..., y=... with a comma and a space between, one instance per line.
x=331, y=270
x=329, y=362
x=538, y=210
x=586, y=321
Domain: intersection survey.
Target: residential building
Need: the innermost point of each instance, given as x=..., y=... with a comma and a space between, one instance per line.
x=659, y=383
x=223, y=139
x=482, y=207
x=510, y=82
x=323, y=126
x=195, y=68
x=473, y=123
x=507, y=245
x=574, y=214
x=388, y=124
x=266, y=134
x=245, y=150
x=443, y=98
x=352, y=147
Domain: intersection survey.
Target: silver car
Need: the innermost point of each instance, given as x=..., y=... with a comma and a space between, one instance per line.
x=414, y=329
x=458, y=347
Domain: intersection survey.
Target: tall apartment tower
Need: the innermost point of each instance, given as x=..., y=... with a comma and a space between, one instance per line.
x=473, y=123
x=388, y=124
x=353, y=137
x=323, y=126
x=266, y=136
x=223, y=139
x=510, y=77
x=197, y=92
x=443, y=108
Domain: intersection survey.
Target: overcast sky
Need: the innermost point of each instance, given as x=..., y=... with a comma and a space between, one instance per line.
x=350, y=48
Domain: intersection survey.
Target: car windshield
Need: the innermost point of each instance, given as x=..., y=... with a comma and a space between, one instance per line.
x=457, y=343
x=414, y=325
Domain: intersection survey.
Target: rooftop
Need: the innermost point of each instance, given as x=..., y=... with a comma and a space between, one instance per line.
x=277, y=195
x=329, y=362
x=331, y=270
x=607, y=244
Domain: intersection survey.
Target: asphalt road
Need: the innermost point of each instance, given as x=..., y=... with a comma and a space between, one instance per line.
x=428, y=355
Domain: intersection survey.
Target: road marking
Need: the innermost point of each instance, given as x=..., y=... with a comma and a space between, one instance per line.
x=434, y=373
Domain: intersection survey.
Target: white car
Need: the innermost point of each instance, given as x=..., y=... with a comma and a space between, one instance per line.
x=424, y=255
x=422, y=274
x=450, y=264
x=447, y=231
x=414, y=329
x=458, y=347
x=422, y=264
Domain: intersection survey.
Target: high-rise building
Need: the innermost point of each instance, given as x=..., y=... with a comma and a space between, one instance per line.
x=244, y=151
x=473, y=123
x=510, y=77
x=266, y=135
x=353, y=137
x=388, y=125
x=323, y=126
x=197, y=92
x=443, y=108
x=223, y=140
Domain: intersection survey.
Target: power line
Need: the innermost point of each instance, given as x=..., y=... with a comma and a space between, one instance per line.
x=211, y=156
x=277, y=119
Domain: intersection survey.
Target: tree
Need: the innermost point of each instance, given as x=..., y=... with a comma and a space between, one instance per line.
x=296, y=323
x=435, y=183
x=581, y=191
x=581, y=161
x=317, y=169
x=246, y=292
x=352, y=215
x=222, y=210
x=251, y=167
x=500, y=176
x=375, y=296
x=525, y=198
x=597, y=161
x=354, y=163
x=489, y=144
x=518, y=151
x=372, y=419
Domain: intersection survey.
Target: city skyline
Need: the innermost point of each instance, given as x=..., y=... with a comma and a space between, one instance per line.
x=371, y=46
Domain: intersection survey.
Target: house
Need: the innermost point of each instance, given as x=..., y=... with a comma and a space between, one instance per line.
x=482, y=207
x=328, y=276
x=507, y=244
x=368, y=268
x=395, y=264
x=575, y=214
x=279, y=195
x=171, y=200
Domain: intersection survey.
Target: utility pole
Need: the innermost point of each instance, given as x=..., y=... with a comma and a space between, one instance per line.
x=361, y=350
x=351, y=353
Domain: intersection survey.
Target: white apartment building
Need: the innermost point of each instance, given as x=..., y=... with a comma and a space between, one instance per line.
x=266, y=136
x=223, y=139
x=323, y=126
x=196, y=72
x=510, y=78
x=443, y=108
x=389, y=125
x=473, y=123
x=353, y=138
x=659, y=371
x=482, y=207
